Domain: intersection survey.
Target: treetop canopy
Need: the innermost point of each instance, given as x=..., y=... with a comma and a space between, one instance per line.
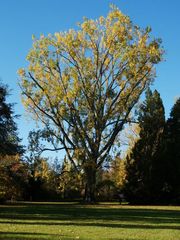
x=85, y=82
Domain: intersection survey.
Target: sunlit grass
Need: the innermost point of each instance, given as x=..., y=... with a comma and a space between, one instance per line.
x=65, y=221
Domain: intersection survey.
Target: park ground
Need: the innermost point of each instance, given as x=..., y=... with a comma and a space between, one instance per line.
x=68, y=221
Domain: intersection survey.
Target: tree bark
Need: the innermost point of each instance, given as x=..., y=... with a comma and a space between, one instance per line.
x=90, y=185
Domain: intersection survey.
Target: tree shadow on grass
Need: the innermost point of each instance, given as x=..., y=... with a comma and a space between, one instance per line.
x=38, y=236
x=31, y=236
x=79, y=215
x=20, y=235
x=100, y=224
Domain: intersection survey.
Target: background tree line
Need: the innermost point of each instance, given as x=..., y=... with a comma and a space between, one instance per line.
x=149, y=172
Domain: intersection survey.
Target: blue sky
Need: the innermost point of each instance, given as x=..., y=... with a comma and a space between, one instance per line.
x=21, y=18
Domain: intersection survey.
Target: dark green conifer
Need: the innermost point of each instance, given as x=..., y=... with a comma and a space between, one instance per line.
x=144, y=181
x=9, y=140
x=171, y=155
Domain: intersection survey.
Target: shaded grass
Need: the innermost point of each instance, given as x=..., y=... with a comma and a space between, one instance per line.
x=65, y=221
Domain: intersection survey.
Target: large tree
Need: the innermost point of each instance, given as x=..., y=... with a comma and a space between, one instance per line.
x=171, y=154
x=9, y=140
x=144, y=166
x=11, y=168
x=83, y=84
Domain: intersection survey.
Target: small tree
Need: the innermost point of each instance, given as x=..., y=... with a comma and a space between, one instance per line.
x=13, y=177
x=118, y=172
x=42, y=178
x=70, y=181
x=145, y=175
x=83, y=84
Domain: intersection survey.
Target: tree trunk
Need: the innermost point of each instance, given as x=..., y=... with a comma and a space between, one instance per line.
x=90, y=186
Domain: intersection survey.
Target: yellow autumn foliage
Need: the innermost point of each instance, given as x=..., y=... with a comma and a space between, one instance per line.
x=85, y=82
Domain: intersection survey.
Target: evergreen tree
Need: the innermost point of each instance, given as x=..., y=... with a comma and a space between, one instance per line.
x=9, y=140
x=144, y=180
x=171, y=154
x=12, y=170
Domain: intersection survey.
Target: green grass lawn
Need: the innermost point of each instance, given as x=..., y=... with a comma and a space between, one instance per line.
x=65, y=221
